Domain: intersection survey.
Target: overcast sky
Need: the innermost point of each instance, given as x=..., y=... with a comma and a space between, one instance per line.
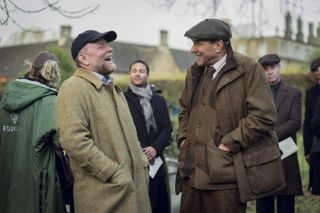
x=138, y=21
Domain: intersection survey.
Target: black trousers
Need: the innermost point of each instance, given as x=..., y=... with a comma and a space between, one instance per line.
x=159, y=195
x=211, y=201
x=285, y=204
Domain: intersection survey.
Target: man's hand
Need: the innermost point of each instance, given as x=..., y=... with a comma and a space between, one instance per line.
x=223, y=147
x=150, y=152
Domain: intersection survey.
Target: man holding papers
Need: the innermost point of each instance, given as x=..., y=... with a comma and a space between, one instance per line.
x=151, y=118
x=288, y=102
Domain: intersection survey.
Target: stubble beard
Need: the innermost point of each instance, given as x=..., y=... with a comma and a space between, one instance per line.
x=107, y=70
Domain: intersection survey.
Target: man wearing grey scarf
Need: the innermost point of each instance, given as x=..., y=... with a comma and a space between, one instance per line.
x=145, y=95
x=151, y=118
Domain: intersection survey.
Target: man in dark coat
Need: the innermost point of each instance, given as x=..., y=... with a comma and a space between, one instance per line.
x=151, y=118
x=312, y=94
x=288, y=104
x=229, y=153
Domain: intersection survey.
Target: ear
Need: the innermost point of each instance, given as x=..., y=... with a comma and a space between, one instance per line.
x=83, y=59
x=220, y=46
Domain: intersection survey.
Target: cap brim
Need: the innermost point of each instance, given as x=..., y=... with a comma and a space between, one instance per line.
x=108, y=36
x=269, y=63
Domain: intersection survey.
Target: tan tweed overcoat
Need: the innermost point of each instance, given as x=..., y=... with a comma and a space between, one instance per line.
x=98, y=134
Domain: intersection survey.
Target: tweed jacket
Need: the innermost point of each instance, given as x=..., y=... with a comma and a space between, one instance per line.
x=244, y=115
x=98, y=134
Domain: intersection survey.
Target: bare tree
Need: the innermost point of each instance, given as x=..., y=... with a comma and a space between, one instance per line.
x=249, y=10
x=8, y=9
x=252, y=17
x=200, y=7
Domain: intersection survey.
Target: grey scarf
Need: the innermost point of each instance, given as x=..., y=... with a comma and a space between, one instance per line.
x=145, y=95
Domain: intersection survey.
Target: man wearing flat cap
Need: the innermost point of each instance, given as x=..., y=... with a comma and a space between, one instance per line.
x=97, y=131
x=288, y=103
x=228, y=151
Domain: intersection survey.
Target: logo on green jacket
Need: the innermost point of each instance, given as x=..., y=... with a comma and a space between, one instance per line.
x=14, y=117
x=12, y=128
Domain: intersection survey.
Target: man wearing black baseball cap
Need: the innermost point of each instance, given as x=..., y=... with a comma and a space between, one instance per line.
x=225, y=132
x=98, y=133
x=93, y=41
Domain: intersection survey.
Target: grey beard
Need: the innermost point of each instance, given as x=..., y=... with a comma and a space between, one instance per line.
x=108, y=70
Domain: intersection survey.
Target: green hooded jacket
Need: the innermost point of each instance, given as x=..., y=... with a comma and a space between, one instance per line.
x=28, y=180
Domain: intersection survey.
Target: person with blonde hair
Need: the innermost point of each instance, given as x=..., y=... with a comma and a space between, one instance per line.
x=28, y=136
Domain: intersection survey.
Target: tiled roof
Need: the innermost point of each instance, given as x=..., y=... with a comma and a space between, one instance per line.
x=12, y=58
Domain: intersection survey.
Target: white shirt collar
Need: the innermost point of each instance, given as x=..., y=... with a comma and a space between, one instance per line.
x=218, y=65
x=100, y=77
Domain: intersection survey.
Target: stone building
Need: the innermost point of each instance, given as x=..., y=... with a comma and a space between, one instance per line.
x=294, y=50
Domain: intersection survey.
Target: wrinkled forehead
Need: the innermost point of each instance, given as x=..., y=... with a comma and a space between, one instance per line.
x=100, y=42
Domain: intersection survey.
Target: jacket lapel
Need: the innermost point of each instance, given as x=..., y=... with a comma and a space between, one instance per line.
x=135, y=101
x=89, y=76
x=281, y=95
x=225, y=75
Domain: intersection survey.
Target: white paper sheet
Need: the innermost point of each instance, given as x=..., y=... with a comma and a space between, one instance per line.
x=287, y=147
x=154, y=166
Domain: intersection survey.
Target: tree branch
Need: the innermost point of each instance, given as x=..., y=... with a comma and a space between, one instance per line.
x=9, y=7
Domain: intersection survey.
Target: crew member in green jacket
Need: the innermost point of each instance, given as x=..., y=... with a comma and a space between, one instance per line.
x=28, y=177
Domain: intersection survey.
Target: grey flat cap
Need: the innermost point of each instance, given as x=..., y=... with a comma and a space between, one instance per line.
x=210, y=29
x=269, y=59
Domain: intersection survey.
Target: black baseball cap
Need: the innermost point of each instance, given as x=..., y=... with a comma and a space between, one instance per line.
x=90, y=36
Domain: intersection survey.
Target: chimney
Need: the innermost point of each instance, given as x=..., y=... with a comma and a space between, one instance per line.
x=299, y=37
x=164, y=38
x=65, y=31
x=310, y=37
x=65, y=34
x=288, y=31
x=316, y=40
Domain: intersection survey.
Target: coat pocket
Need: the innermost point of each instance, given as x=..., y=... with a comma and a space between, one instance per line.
x=220, y=165
x=264, y=170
